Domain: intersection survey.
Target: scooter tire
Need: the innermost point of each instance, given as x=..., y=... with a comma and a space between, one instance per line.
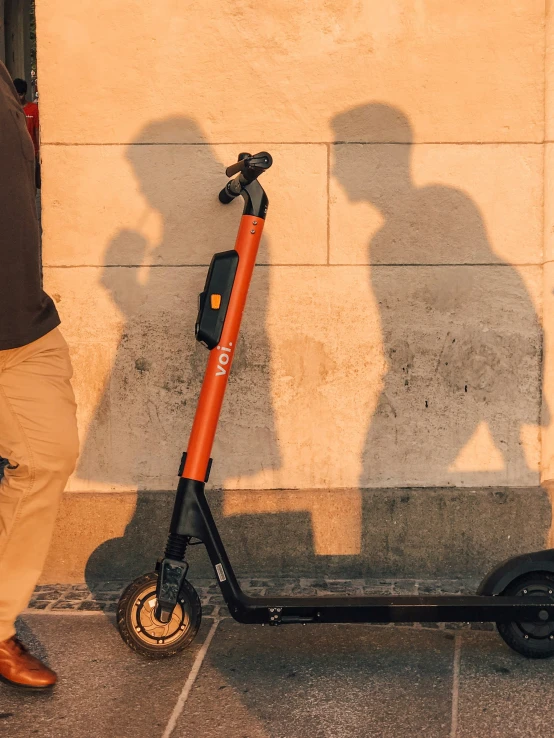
x=532, y=640
x=149, y=637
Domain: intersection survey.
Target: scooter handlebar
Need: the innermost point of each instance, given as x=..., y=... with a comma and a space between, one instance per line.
x=249, y=165
x=248, y=168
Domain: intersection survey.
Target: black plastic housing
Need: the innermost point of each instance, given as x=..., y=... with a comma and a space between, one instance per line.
x=505, y=573
x=220, y=280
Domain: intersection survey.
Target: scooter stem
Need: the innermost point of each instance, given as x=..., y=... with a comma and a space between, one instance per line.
x=221, y=357
x=221, y=305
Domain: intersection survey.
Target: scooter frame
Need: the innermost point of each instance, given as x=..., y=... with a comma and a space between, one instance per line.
x=192, y=518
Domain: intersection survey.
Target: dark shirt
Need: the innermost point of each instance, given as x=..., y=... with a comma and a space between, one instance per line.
x=26, y=311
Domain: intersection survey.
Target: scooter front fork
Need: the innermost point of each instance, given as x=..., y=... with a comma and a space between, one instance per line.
x=186, y=522
x=172, y=570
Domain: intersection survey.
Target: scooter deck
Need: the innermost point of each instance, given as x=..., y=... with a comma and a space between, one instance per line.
x=386, y=609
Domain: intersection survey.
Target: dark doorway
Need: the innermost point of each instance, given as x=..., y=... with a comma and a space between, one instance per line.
x=18, y=40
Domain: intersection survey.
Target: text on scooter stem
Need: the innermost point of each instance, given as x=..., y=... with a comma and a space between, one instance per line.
x=224, y=359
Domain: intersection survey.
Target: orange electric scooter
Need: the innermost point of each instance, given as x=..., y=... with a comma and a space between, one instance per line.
x=159, y=613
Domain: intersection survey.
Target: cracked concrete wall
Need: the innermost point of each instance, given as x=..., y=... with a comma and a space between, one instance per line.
x=398, y=330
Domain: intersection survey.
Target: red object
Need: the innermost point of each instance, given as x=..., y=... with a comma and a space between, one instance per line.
x=221, y=357
x=31, y=116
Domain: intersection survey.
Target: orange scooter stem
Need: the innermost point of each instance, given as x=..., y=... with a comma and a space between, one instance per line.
x=221, y=358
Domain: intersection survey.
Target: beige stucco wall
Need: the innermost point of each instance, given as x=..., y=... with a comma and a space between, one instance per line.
x=394, y=331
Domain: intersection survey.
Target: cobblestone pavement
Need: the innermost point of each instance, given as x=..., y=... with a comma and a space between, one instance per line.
x=105, y=595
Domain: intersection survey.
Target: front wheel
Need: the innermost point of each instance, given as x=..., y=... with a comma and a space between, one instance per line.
x=146, y=635
x=534, y=640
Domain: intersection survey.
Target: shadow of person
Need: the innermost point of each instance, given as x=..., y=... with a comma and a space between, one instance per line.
x=139, y=429
x=460, y=334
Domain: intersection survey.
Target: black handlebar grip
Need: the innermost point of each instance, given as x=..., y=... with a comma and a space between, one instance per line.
x=235, y=169
x=225, y=196
x=238, y=166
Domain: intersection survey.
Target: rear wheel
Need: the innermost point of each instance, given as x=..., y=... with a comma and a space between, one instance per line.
x=534, y=640
x=139, y=627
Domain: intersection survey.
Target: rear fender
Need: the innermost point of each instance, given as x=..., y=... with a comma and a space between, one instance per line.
x=502, y=575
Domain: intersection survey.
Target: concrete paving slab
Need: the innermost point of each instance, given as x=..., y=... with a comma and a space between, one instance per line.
x=321, y=682
x=502, y=694
x=105, y=690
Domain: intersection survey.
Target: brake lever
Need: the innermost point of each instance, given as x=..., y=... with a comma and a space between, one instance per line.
x=262, y=160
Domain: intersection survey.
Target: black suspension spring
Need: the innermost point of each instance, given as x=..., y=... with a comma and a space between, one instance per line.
x=176, y=547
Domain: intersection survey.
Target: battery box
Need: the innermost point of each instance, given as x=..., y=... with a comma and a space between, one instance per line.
x=214, y=300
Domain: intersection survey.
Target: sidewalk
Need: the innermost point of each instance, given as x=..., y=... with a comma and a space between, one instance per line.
x=324, y=681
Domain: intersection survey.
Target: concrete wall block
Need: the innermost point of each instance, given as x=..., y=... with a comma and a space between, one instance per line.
x=147, y=369
x=549, y=71
x=468, y=71
x=548, y=203
x=406, y=375
x=436, y=204
x=547, y=461
x=92, y=308
x=138, y=407
x=158, y=204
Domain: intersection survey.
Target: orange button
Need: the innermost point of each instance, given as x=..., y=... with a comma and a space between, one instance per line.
x=215, y=301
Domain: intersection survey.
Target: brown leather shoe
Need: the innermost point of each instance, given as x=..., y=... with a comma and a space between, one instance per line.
x=20, y=669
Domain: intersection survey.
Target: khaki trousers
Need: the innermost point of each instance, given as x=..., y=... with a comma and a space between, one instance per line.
x=38, y=434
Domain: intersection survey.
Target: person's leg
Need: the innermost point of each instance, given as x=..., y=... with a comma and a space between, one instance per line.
x=38, y=435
